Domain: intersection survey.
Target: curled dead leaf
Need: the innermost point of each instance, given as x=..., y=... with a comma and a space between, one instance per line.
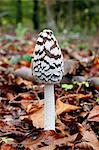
x=89, y=137
x=7, y=147
x=62, y=107
x=94, y=114
x=50, y=147
x=35, y=112
x=38, y=118
x=78, y=96
x=84, y=145
x=61, y=127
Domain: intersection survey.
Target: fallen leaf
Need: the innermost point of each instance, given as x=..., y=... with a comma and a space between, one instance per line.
x=20, y=81
x=65, y=140
x=94, y=81
x=61, y=127
x=25, y=63
x=44, y=138
x=62, y=107
x=38, y=118
x=79, y=78
x=70, y=66
x=78, y=96
x=94, y=70
x=9, y=96
x=24, y=72
x=7, y=147
x=48, y=138
x=84, y=146
x=50, y=147
x=94, y=114
x=35, y=112
x=88, y=136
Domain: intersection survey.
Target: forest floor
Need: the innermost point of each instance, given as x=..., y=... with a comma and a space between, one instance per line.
x=22, y=99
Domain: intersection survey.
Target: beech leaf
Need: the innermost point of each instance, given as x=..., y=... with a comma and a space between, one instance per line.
x=62, y=107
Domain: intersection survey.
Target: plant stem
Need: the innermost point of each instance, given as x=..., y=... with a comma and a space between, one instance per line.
x=49, y=107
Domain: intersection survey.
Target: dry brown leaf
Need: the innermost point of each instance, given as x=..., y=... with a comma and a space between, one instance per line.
x=50, y=147
x=25, y=63
x=94, y=70
x=62, y=107
x=65, y=140
x=7, y=147
x=61, y=127
x=38, y=118
x=20, y=81
x=32, y=144
x=48, y=138
x=88, y=136
x=70, y=66
x=9, y=96
x=84, y=146
x=94, y=114
x=78, y=96
x=35, y=112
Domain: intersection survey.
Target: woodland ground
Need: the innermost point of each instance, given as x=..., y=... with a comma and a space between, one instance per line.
x=21, y=98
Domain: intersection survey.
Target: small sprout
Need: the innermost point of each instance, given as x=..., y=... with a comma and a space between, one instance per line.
x=82, y=83
x=85, y=83
x=97, y=100
x=67, y=86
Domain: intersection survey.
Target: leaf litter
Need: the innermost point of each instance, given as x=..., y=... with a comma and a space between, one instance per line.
x=22, y=100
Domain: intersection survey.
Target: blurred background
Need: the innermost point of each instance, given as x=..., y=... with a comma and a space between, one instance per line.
x=71, y=20
x=74, y=15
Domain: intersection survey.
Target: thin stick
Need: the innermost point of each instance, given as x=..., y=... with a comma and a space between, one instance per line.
x=49, y=107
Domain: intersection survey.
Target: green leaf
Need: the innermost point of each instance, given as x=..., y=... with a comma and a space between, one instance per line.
x=97, y=100
x=82, y=83
x=27, y=58
x=78, y=83
x=67, y=86
x=85, y=83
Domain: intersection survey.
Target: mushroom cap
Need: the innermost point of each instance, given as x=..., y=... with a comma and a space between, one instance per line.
x=47, y=60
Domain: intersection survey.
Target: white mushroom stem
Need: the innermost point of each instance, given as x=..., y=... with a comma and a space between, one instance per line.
x=49, y=107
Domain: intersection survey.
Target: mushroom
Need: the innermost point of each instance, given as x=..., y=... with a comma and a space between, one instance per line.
x=48, y=66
